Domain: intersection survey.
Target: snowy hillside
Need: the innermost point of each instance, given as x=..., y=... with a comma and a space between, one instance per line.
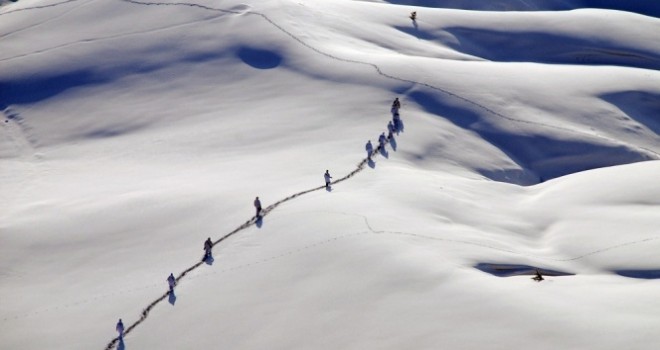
x=132, y=131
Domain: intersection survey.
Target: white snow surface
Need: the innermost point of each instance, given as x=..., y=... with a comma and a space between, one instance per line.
x=134, y=130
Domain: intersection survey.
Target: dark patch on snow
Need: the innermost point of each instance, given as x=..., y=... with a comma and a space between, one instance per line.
x=42, y=86
x=640, y=274
x=108, y=132
x=259, y=58
x=508, y=270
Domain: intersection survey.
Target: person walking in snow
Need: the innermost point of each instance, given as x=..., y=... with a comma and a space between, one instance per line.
x=413, y=15
x=120, y=328
x=390, y=129
x=171, y=281
x=381, y=140
x=397, y=122
x=327, y=178
x=208, y=245
x=370, y=149
x=257, y=205
x=396, y=105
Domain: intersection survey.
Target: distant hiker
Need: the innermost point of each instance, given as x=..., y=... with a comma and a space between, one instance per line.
x=390, y=129
x=208, y=245
x=257, y=205
x=413, y=15
x=398, y=126
x=370, y=148
x=327, y=178
x=382, y=140
x=171, y=281
x=120, y=328
x=396, y=105
x=538, y=277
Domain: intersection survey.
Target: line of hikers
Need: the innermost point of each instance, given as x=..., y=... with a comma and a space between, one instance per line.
x=393, y=126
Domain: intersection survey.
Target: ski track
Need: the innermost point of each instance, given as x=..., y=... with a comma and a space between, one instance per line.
x=360, y=166
x=36, y=25
x=38, y=7
x=26, y=149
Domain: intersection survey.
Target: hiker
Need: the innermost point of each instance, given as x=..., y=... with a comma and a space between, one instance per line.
x=381, y=140
x=120, y=328
x=397, y=122
x=327, y=178
x=257, y=205
x=171, y=281
x=208, y=244
x=413, y=15
x=370, y=149
x=390, y=129
x=396, y=105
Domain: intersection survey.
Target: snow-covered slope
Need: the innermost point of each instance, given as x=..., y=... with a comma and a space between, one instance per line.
x=134, y=130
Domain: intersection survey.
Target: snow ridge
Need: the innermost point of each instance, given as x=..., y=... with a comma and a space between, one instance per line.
x=380, y=72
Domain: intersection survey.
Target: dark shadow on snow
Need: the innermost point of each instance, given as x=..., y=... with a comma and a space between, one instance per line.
x=259, y=221
x=540, y=157
x=41, y=86
x=383, y=152
x=209, y=260
x=393, y=143
x=640, y=106
x=508, y=270
x=505, y=46
x=640, y=274
x=172, y=297
x=259, y=58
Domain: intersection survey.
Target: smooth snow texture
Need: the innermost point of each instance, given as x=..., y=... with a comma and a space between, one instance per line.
x=133, y=131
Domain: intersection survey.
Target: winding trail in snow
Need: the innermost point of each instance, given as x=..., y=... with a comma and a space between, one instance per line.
x=252, y=221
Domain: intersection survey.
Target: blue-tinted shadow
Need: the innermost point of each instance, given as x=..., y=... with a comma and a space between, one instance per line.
x=172, y=297
x=258, y=58
x=640, y=274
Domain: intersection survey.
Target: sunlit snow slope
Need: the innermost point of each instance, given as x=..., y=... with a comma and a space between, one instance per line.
x=133, y=130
